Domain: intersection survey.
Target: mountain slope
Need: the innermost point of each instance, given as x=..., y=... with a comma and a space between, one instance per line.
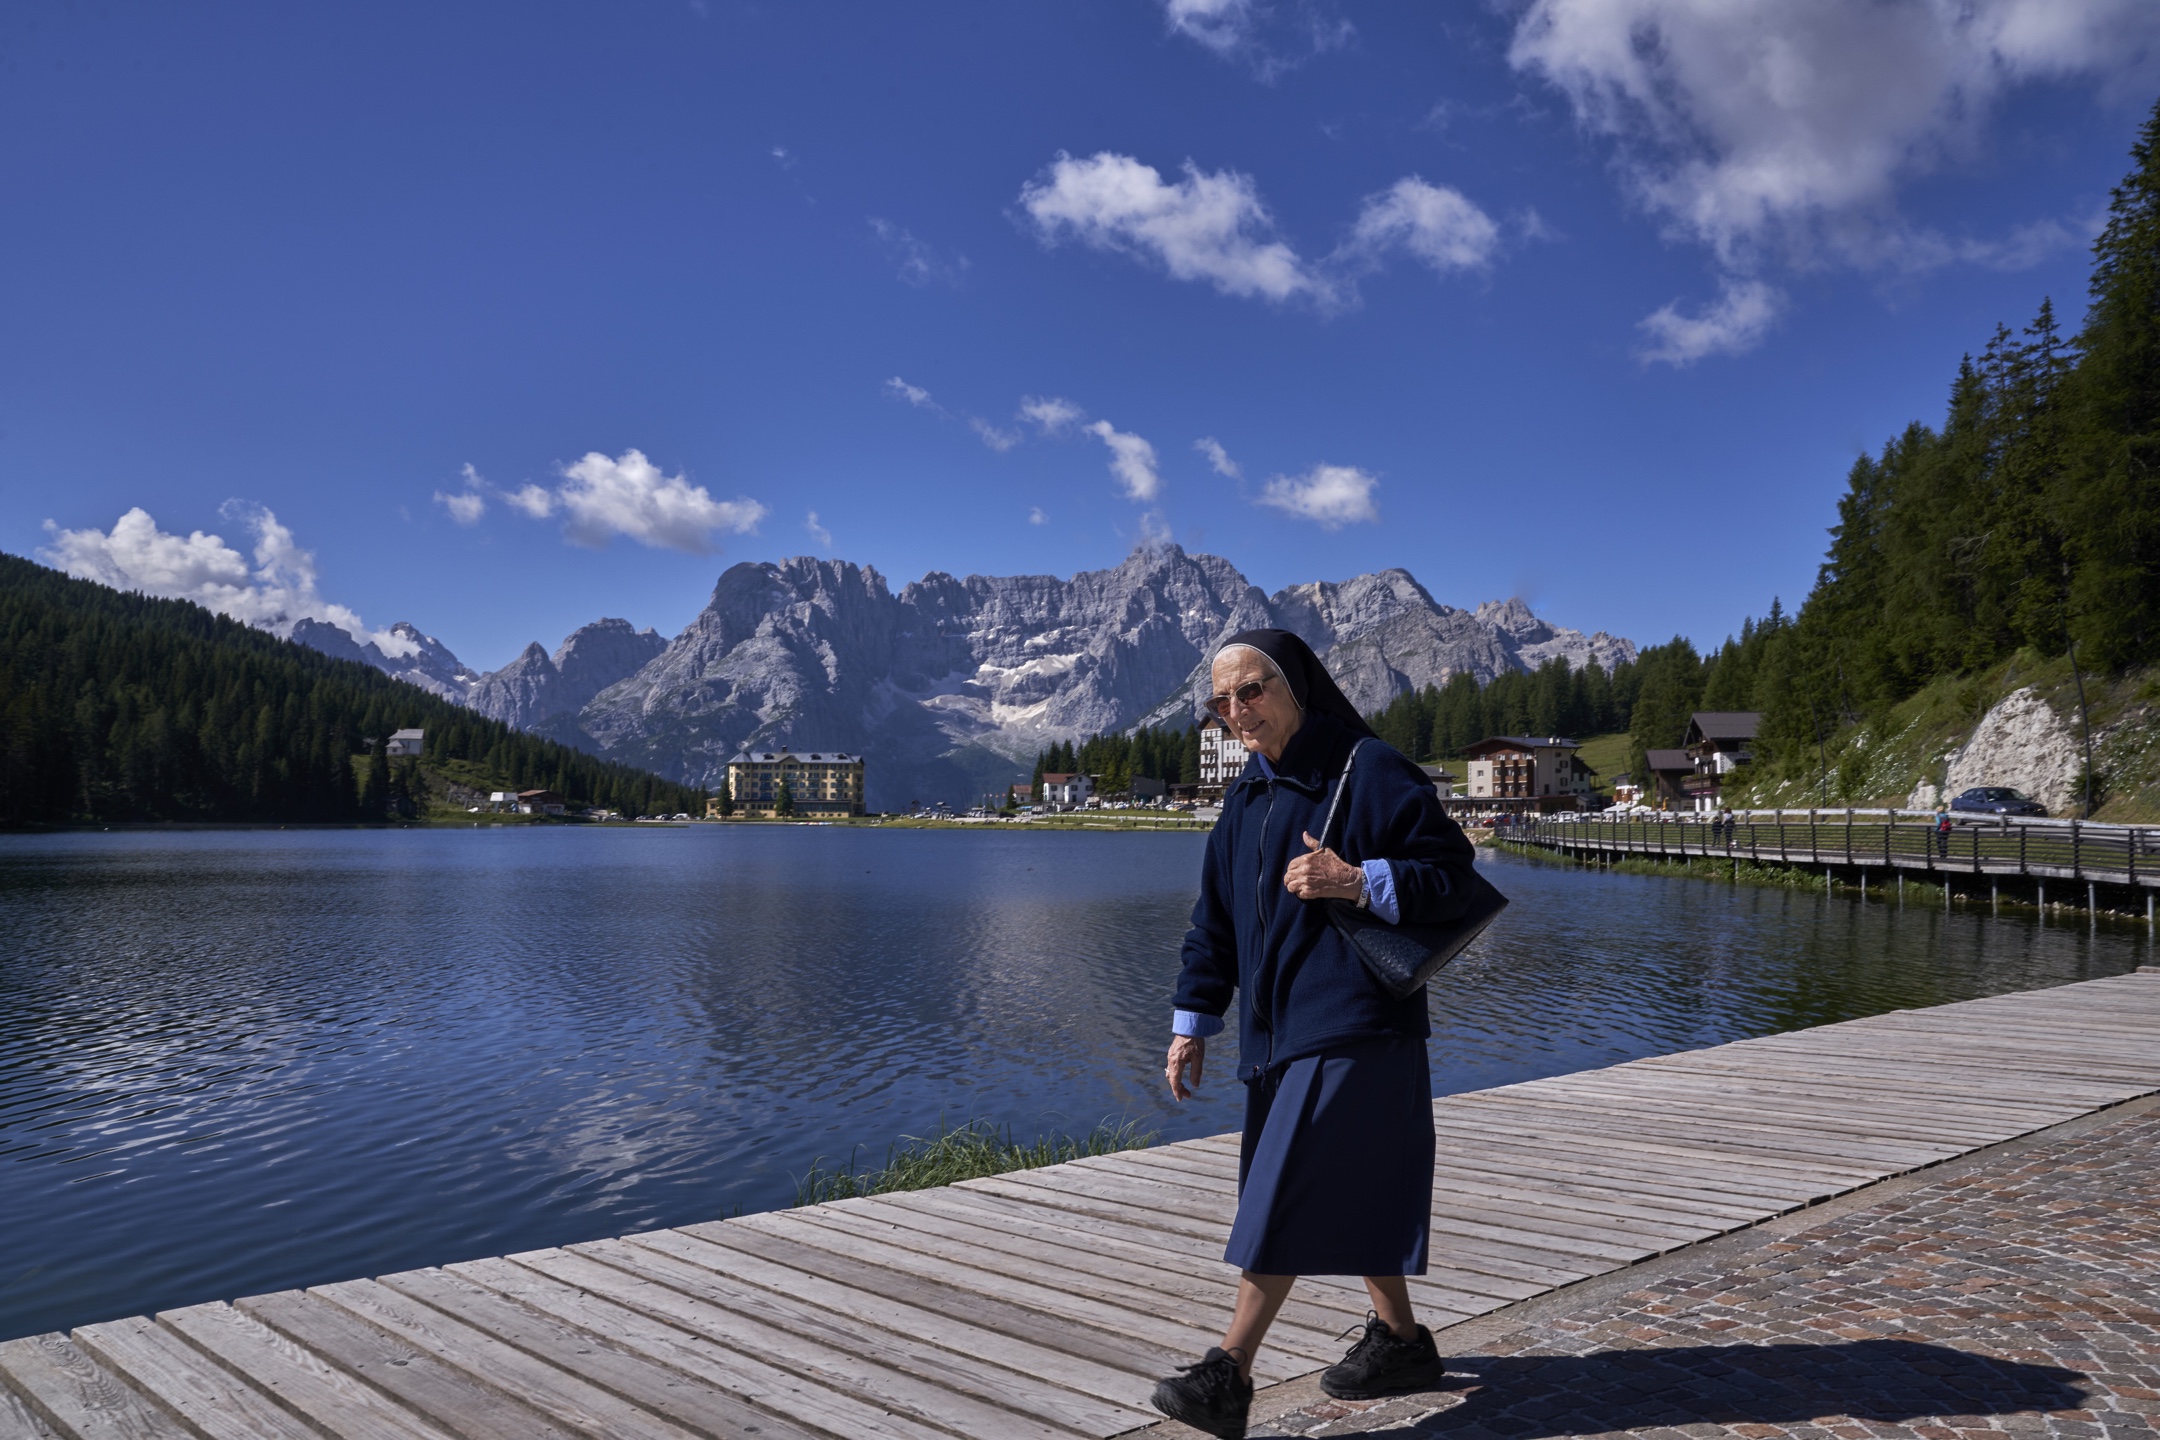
x=949, y=684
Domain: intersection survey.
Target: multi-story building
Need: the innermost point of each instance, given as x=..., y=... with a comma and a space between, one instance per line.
x=1067, y=789
x=823, y=782
x=1529, y=773
x=1719, y=742
x=1222, y=756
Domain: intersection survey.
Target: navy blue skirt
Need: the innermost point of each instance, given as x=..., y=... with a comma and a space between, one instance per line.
x=1336, y=1173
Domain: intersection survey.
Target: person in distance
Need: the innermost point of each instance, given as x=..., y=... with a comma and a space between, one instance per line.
x=1335, y=1173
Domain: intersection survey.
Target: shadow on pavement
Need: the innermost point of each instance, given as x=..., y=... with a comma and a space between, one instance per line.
x=1526, y=1397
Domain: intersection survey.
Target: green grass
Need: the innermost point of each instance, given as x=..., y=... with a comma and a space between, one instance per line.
x=1880, y=762
x=1606, y=754
x=963, y=1152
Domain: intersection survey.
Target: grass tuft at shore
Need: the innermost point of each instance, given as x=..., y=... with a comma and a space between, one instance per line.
x=962, y=1152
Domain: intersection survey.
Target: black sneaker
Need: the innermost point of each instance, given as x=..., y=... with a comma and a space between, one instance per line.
x=1209, y=1396
x=1380, y=1364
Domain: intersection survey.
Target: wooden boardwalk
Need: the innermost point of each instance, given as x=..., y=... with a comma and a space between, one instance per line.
x=1045, y=1304
x=1886, y=842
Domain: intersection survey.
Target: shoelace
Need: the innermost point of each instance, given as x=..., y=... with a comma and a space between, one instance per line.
x=1373, y=1327
x=1219, y=1374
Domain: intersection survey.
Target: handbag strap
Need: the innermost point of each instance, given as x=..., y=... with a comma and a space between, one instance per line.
x=1344, y=784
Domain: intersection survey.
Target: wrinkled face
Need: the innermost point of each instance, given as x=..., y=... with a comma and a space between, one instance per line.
x=1268, y=722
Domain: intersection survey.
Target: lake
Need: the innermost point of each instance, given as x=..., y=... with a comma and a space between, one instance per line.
x=238, y=1061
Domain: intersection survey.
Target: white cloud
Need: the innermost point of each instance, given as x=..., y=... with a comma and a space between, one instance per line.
x=1051, y=414
x=1435, y=223
x=917, y=263
x=1233, y=29
x=996, y=438
x=1220, y=25
x=1204, y=227
x=1743, y=313
x=1132, y=461
x=533, y=500
x=1777, y=132
x=630, y=496
x=1215, y=228
x=781, y=155
x=1331, y=495
x=466, y=508
x=276, y=592
x=1218, y=457
x=818, y=532
x=1036, y=516
x=914, y=394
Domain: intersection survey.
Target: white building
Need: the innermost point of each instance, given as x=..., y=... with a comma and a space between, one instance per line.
x=406, y=742
x=1222, y=755
x=1529, y=772
x=1062, y=789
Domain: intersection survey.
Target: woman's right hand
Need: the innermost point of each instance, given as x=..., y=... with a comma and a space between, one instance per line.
x=1185, y=1050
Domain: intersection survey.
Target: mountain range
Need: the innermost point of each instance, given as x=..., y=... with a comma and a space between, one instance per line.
x=950, y=687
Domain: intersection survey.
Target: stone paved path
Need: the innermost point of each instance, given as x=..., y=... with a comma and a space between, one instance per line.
x=2020, y=1298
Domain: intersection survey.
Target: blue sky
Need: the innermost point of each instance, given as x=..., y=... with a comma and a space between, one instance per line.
x=515, y=316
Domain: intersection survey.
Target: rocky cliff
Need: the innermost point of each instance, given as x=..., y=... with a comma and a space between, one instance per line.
x=950, y=686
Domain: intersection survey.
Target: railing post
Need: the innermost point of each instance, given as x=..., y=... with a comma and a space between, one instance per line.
x=2076, y=867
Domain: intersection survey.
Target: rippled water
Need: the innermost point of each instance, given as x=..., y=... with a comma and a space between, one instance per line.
x=233, y=1062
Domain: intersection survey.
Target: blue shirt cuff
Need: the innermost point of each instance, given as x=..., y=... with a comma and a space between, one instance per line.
x=1380, y=891
x=1195, y=1024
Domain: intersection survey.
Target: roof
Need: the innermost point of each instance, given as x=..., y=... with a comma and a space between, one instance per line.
x=1439, y=772
x=538, y=795
x=1062, y=777
x=1671, y=760
x=773, y=757
x=408, y=734
x=1519, y=742
x=1723, y=725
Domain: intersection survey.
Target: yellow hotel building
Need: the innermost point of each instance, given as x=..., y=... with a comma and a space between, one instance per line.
x=823, y=782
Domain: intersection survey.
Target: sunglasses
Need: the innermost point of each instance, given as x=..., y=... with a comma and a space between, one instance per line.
x=1219, y=705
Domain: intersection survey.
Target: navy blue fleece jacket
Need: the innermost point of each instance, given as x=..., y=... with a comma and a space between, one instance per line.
x=1302, y=985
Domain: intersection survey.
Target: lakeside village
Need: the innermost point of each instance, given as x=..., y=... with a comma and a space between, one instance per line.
x=1498, y=780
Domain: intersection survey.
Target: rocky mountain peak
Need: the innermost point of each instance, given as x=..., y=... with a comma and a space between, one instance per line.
x=952, y=684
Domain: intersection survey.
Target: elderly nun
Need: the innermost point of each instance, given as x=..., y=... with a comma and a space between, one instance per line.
x=1335, y=1177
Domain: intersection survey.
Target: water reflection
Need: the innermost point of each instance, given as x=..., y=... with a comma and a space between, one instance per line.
x=232, y=1062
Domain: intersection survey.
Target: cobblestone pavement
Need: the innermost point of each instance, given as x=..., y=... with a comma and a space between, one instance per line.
x=2018, y=1299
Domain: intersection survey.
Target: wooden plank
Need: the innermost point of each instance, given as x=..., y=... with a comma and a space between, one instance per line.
x=817, y=1344
x=416, y=1379
x=1650, y=1119
x=1872, y=1123
x=1136, y=1356
x=1098, y=1272
x=1313, y=1333
x=176, y=1376
x=1728, y=1144
x=561, y=1386
x=644, y=1254
x=839, y=1397
x=71, y=1393
x=1176, y=1337
x=19, y=1422
x=1344, y=1294
x=327, y=1397
x=1197, y=1273
x=1564, y=1133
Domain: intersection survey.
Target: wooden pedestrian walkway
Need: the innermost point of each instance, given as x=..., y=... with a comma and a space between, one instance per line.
x=1045, y=1304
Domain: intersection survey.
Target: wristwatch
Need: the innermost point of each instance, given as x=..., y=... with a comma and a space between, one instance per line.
x=1364, y=889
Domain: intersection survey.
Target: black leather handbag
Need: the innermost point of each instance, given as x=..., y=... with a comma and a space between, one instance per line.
x=1403, y=957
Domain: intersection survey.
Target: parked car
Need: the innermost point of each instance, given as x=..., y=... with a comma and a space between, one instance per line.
x=1996, y=800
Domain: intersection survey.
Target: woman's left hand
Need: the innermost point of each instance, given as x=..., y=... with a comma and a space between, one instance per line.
x=1323, y=875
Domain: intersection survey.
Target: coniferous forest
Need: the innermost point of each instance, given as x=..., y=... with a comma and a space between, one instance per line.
x=118, y=707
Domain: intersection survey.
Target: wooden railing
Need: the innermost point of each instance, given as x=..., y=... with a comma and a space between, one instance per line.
x=1873, y=839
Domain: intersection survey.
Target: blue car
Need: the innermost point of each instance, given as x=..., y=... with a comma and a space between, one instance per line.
x=1996, y=800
